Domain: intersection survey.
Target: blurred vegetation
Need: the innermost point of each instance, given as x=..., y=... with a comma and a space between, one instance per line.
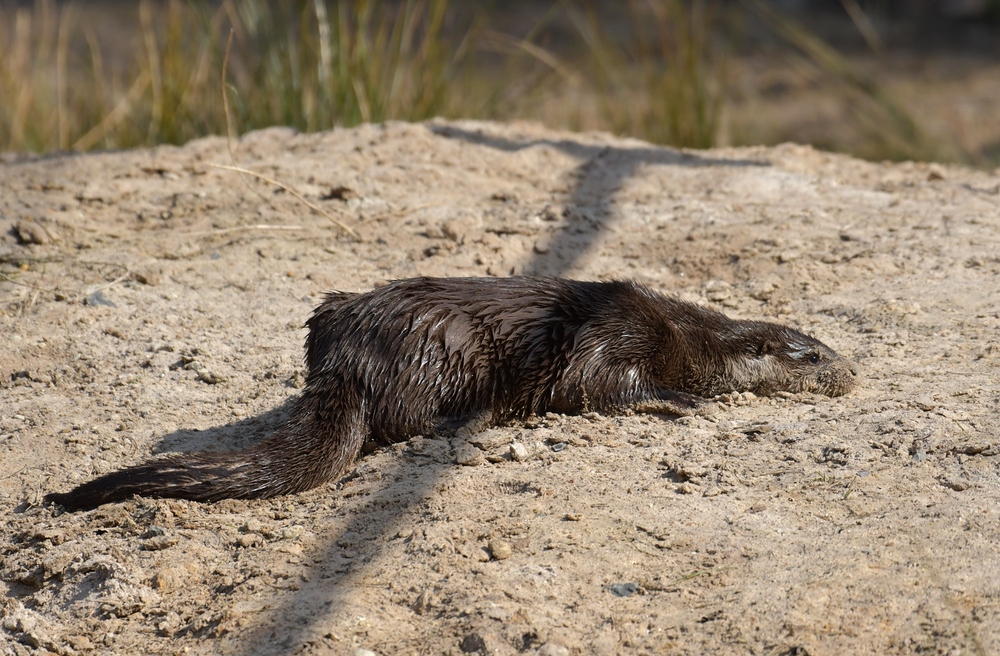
x=664, y=83
x=302, y=64
x=660, y=72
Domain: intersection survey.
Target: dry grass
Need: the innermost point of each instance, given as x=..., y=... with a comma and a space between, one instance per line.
x=311, y=65
x=890, y=130
x=669, y=68
x=660, y=74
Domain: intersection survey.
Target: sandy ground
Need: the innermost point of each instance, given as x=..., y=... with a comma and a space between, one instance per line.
x=151, y=303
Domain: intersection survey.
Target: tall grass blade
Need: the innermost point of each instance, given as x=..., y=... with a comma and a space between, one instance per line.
x=886, y=122
x=668, y=67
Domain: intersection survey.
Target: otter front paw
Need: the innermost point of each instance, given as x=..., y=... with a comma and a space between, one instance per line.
x=676, y=403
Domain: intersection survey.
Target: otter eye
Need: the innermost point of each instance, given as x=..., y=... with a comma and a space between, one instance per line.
x=813, y=358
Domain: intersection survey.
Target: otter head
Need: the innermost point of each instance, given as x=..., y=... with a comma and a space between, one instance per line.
x=766, y=358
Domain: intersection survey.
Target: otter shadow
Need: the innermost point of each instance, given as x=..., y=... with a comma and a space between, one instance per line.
x=231, y=437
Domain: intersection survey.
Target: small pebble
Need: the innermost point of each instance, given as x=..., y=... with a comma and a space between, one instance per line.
x=170, y=624
x=424, y=602
x=247, y=541
x=169, y=579
x=500, y=549
x=473, y=643
x=718, y=290
x=154, y=531
x=98, y=298
x=469, y=456
x=80, y=642
x=957, y=484
x=149, y=277
x=54, y=536
x=210, y=377
x=623, y=589
x=518, y=451
x=292, y=532
x=456, y=229
x=33, y=233
x=553, y=649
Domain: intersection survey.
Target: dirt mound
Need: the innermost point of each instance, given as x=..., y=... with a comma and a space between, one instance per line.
x=151, y=302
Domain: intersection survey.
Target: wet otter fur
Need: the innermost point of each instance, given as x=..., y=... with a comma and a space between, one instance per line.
x=392, y=363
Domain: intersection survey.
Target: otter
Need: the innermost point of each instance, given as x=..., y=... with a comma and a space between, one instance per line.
x=392, y=363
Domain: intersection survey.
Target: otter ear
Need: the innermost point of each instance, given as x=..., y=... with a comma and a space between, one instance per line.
x=767, y=347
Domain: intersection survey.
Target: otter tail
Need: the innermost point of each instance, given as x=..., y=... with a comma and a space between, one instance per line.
x=317, y=444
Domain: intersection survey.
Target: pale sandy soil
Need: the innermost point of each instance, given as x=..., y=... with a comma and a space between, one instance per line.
x=164, y=312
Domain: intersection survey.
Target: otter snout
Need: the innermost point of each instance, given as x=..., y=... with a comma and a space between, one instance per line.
x=837, y=378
